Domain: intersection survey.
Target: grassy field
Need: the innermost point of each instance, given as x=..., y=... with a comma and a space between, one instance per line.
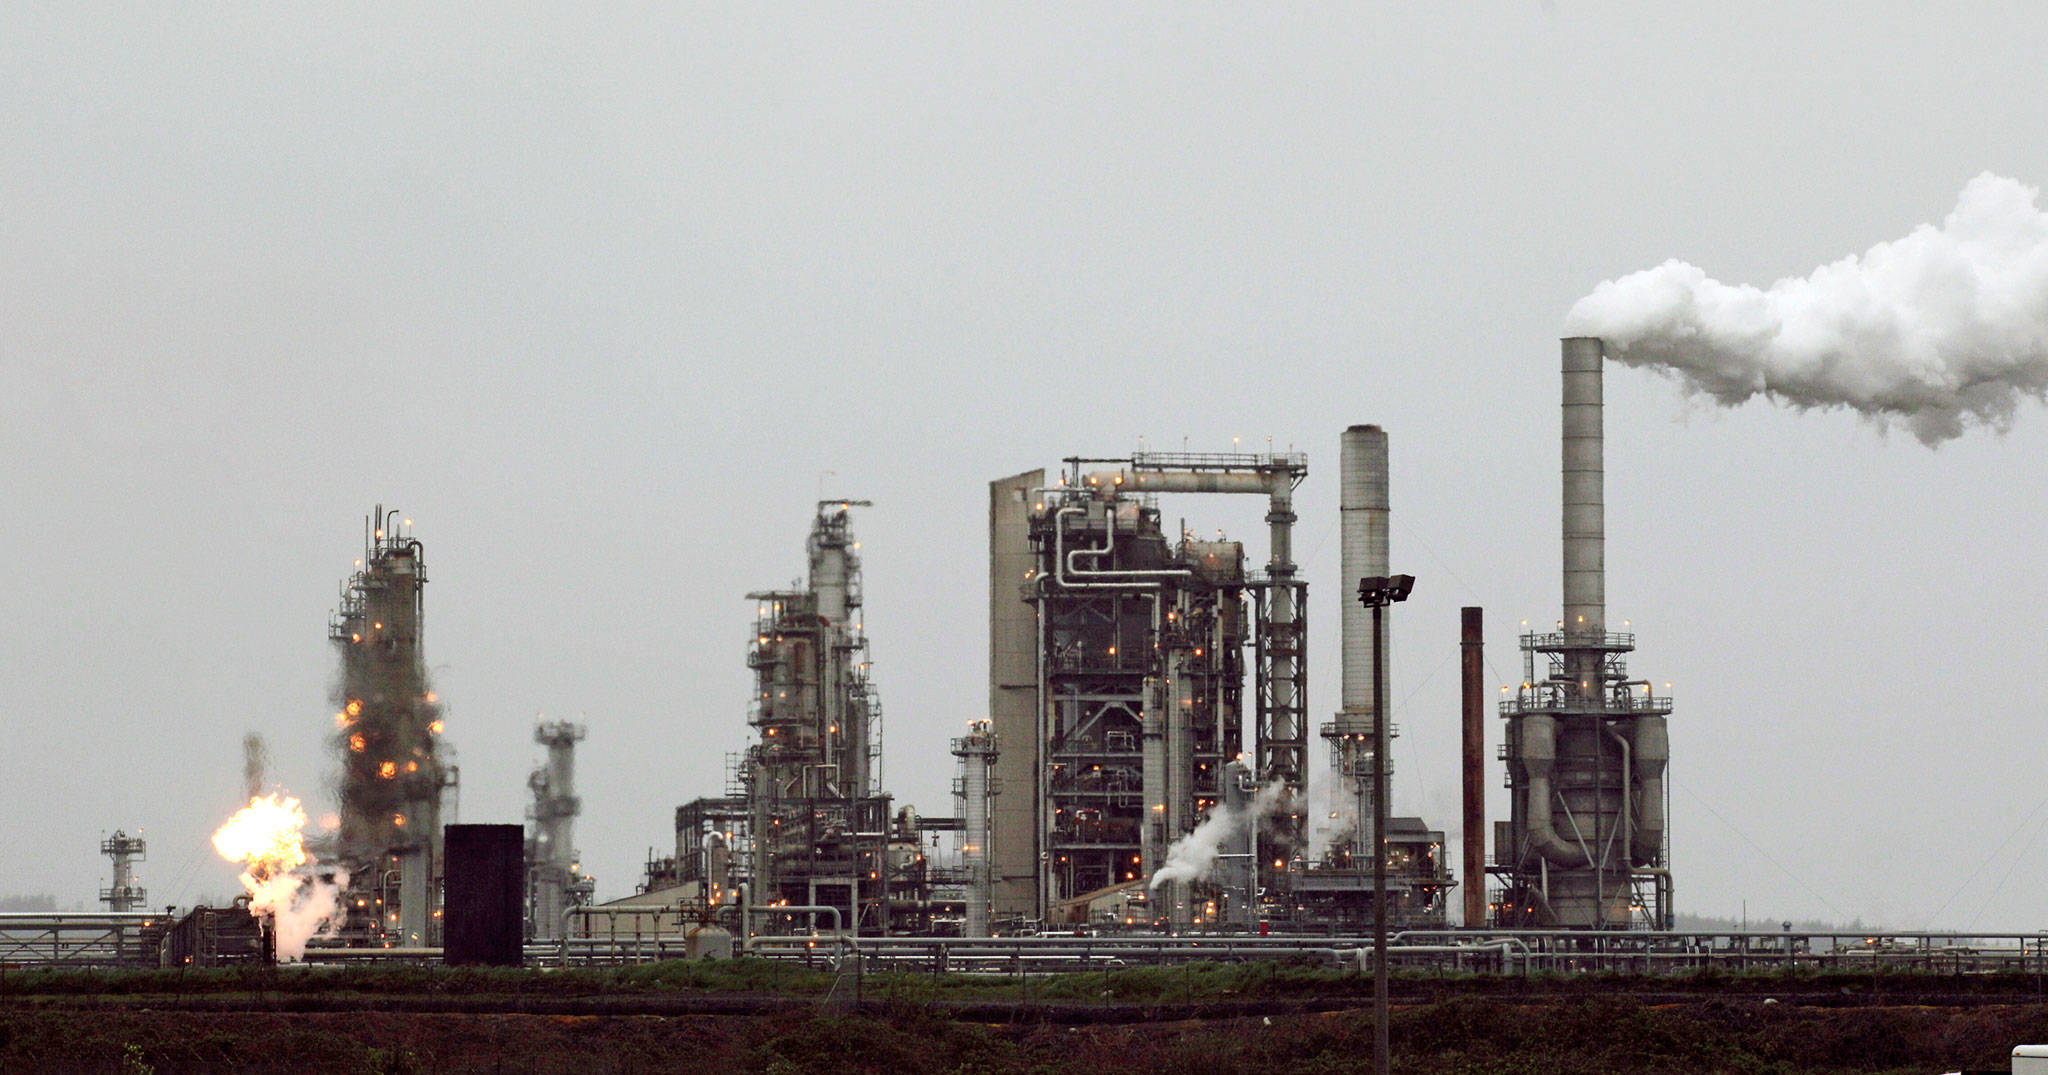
x=1198, y=1019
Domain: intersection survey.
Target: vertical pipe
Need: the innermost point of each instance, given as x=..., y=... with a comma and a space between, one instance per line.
x=1180, y=768
x=1288, y=734
x=1153, y=835
x=1363, y=508
x=1472, y=653
x=1379, y=849
x=1585, y=586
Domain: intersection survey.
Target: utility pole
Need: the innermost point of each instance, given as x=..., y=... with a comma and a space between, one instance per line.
x=1376, y=593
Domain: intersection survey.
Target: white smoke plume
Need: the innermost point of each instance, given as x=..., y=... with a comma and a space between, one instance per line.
x=1192, y=857
x=267, y=838
x=255, y=759
x=1334, y=818
x=1938, y=331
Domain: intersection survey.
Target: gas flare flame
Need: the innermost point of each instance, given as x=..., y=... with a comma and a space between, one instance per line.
x=267, y=838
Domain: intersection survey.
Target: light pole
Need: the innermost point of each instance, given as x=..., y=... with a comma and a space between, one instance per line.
x=1376, y=593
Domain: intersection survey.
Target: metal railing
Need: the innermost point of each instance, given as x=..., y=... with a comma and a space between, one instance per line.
x=80, y=939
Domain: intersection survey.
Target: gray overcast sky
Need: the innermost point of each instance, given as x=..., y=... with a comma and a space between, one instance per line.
x=604, y=296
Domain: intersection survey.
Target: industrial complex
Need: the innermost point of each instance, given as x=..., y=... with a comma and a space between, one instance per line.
x=1146, y=764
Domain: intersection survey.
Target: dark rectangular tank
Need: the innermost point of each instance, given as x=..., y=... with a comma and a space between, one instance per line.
x=485, y=894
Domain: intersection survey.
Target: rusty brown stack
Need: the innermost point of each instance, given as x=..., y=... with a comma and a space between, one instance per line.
x=1472, y=651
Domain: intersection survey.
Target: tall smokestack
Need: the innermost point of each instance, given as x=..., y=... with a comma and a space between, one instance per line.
x=1585, y=557
x=1473, y=657
x=1362, y=500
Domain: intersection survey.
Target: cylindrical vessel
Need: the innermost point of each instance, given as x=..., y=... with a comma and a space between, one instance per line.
x=1473, y=658
x=1585, y=586
x=1362, y=504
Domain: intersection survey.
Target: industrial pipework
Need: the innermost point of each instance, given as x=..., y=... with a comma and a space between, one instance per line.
x=1587, y=745
x=1117, y=684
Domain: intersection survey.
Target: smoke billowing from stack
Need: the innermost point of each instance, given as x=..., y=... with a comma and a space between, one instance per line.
x=1938, y=331
x=388, y=721
x=1586, y=744
x=255, y=759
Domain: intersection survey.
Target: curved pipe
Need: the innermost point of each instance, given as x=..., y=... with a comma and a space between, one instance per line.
x=1066, y=572
x=1653, y=750
x=1539, y=757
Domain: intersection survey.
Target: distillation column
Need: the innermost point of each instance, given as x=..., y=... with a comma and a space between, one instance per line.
x=393, y=778
x=551, y=857
x=977, y=751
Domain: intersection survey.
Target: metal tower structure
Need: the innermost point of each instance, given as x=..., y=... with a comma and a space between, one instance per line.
x=1337, y=885
x=819, y=821
x=551, y=866
x=125, y=894
x=1117, y=678
x=975, y=787
x=1586, y=744
x=394, y=774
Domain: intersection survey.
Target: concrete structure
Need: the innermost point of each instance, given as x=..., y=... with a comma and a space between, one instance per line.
x=1117, y=677
x=387, y=736
x=1586, y=745
x=551, y=868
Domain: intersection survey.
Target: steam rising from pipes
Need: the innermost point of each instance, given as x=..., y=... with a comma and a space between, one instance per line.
x=1192, y=857
x=1938, y=331
x=1333, y=820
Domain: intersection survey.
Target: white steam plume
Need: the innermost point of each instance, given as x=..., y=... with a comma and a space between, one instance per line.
x=1193, y=856
x=1334, y=818
x=1937, y=331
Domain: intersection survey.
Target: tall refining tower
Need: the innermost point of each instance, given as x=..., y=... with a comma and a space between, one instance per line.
x=551, y=849
x=818, y=819
x=388, y=725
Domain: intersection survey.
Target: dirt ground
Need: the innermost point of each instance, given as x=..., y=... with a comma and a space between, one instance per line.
x=1469, y=1034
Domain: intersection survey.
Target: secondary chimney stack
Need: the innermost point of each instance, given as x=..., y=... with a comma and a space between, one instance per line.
x=1362, y=502
x=1473, y=655
x=1362, y=553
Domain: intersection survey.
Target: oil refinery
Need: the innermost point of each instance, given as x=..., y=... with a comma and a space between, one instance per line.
x=1144, y=766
